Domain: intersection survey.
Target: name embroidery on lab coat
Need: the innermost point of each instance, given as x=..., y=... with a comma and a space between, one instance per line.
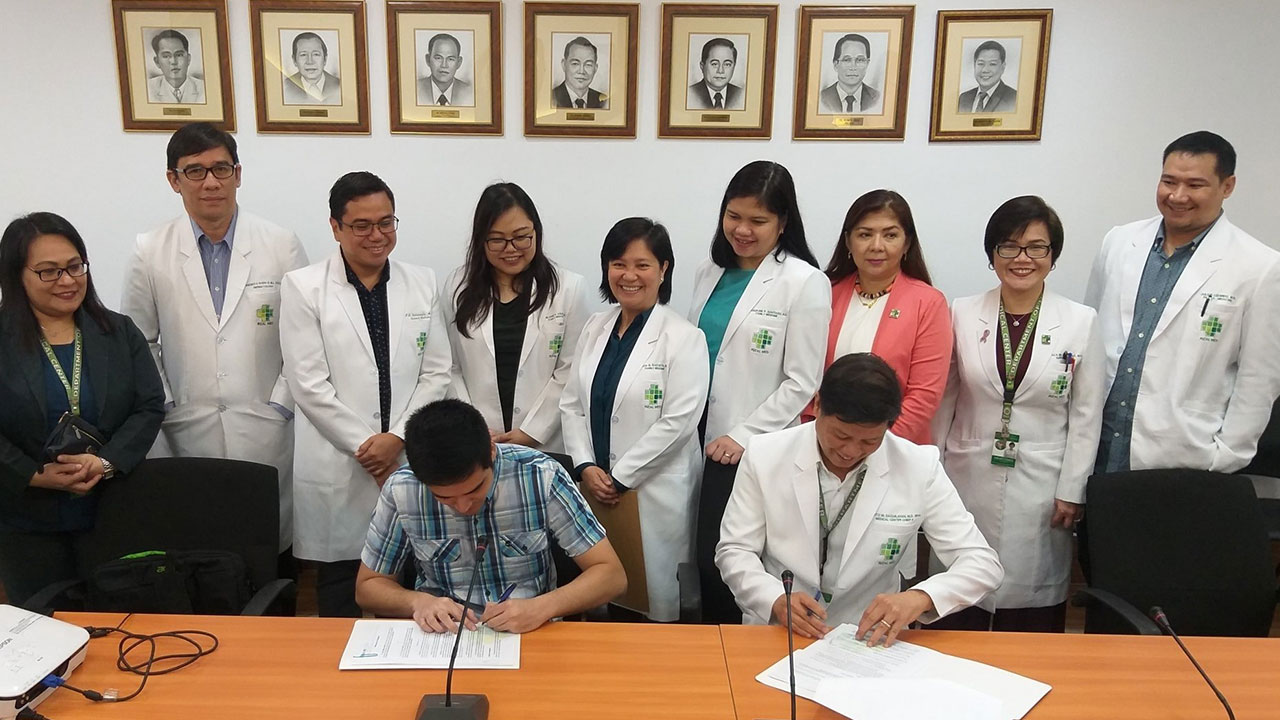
x=266, y=315
x=415, y=315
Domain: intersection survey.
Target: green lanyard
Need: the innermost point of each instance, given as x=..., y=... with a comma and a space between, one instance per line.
x=1013, y=359
x=73, y=387
x=822, y=516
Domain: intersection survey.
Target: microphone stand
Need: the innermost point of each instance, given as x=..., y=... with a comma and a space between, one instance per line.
x=462, y=707
x=788, y=578
x=1155, y=613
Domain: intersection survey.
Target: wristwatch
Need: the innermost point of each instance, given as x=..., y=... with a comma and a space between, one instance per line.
x=108, y=470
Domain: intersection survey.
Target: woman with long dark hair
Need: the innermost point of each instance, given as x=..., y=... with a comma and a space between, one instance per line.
x=513, y=318
x=63, y=353
x=883, y=302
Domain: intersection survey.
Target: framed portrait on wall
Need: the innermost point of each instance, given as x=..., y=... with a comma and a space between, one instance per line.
x=445, y=67
x=174, y=63
x=310, y=68
x=989, y=73
x=580, y=69
x=852, y=70
x=717, y=70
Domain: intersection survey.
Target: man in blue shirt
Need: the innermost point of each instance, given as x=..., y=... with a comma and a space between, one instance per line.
x=1189, y=315
x=459, y=488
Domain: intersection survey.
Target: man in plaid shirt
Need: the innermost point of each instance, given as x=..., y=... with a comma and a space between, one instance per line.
x=460, y=487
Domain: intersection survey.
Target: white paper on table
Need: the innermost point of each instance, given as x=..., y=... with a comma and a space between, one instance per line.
x=906, y=699
x=399, y=644
x=841, y=655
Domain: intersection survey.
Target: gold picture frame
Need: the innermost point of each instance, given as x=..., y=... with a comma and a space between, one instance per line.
x=989, y=74
x=729, y=94
x=444, y=64
x=592, y=46
x=174, y=64
x=853, y=65
x=310, y=66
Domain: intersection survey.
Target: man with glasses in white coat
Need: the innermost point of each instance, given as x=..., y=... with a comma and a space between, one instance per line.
x=204, y=289
x=364, y=346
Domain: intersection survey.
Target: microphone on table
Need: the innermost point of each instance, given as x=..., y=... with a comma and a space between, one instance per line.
x=1163, y=621
x=460, y=707
x=788, y=578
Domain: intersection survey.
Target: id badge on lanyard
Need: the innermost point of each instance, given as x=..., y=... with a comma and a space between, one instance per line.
x=1004, y=447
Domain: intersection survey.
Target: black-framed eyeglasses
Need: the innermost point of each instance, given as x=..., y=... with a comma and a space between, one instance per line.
x=54, y=274
x=519, y=242
x=1009, y=251
x=364, y=228
x=222, y=171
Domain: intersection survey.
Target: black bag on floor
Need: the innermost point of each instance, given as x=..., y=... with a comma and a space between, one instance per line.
x=204, y=582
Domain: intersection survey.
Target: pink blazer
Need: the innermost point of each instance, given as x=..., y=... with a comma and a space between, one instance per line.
x=915, y=338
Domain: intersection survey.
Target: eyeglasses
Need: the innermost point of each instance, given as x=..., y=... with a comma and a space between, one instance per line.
x=519, y=242
x=1009, y=251
x=222, y=171
x=54, y=274
x=858, y=61
x=364, y=228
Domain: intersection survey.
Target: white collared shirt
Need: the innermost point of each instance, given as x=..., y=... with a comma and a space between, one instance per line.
x=314, y=89
x=436, y=92
x=977, y=98
x=834, y=492
x=856, y=95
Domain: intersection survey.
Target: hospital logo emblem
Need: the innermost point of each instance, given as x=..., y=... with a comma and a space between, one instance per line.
x=422, y=342
x=1211, y=327
x=889, y=550
x=556, y=343
x=761, y=340
x=1059, y=386
x=266, y=316
x=653, y=396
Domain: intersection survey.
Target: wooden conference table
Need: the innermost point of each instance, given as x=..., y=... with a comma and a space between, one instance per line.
x=287, y=668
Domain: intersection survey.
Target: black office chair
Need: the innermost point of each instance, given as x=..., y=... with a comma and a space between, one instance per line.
x=1190, y=541
x=566, y=568
x=704, y=598
x=1266, y=464
x=186, y=504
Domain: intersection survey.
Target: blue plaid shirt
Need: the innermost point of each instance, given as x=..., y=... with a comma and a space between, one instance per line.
x=532, y=502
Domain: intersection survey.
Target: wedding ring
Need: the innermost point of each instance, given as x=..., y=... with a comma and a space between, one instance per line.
x=885, y=623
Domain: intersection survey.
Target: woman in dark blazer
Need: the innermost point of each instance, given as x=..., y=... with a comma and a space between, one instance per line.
x=51, y=321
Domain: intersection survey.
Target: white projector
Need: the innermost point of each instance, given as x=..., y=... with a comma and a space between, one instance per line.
x=33, y=647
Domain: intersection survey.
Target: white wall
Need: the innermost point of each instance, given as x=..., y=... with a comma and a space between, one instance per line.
x=1125, y=78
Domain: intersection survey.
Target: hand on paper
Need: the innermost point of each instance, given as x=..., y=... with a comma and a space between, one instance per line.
x=807, y=615
x=1066, y=514
x=889, y=614
x=724, y=450
x=439, y=614
x=515, y=616
x=600, y=485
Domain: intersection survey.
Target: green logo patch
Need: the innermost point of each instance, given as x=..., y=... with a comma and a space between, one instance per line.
x=1211, y=327
x=266, y=315
x=1059, y=385
x=556, y=344
x=889, y=550
x=653, y=396
x=761, y=340
x=422, y=342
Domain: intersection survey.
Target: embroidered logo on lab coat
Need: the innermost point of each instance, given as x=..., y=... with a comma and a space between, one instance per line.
x=653, y=396
x=422, y=342
x=761, y=341
x=266, y=315
x=1059, y=386
x=556, y=343
x=1210, y=328
x=889, y=550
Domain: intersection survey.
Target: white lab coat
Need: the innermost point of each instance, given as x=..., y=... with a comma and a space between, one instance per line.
x=220, y=374
x=1207, y=389
x=328, y=358
x=1056, y=412
x=771, y=525
x=550, y=339
x=653, y=445
x=760, y=386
